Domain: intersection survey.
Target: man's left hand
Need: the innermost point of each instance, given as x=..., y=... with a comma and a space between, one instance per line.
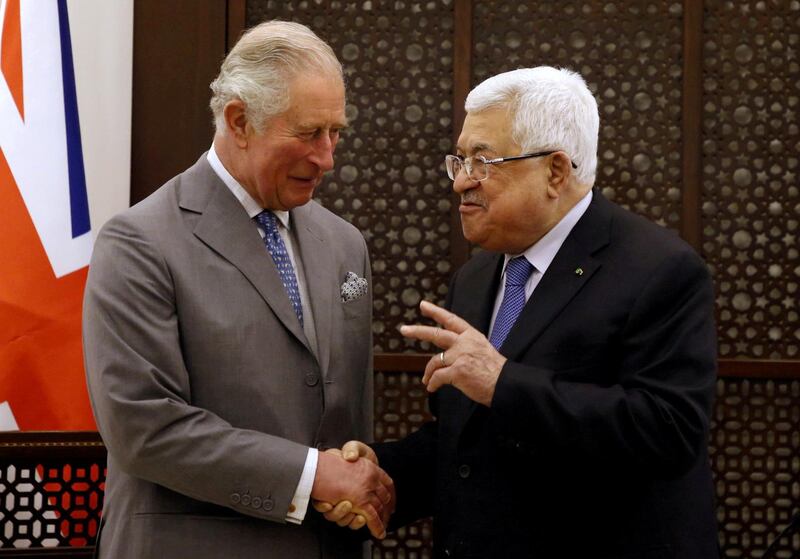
x=468, y=361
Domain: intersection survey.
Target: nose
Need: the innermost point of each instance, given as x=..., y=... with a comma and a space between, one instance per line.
x=463, y=182
x=322, y=154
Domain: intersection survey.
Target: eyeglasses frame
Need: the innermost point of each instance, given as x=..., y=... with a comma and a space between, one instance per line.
x=493, y=161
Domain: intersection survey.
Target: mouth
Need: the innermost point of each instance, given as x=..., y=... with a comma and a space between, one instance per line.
x=307, y=181
x=471, y=205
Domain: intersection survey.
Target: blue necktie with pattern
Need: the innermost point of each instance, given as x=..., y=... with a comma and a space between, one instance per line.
x=276, y=248
x=518, y=271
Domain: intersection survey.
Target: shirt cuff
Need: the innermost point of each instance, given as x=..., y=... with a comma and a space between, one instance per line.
x=302, y=495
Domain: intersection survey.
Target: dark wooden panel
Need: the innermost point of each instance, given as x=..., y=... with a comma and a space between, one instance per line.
x=51, y=490
x=750, y=195
x=763, y=369
x=631, y=56
x=728, y=368
x=63, y=445
x=692, y=100
x=177, y=48
x=48, y=553
x=462, y=76
x=236, y=20
x=754, y=455
x=406, y=362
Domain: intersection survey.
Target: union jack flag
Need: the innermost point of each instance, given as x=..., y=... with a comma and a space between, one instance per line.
x=46, y=232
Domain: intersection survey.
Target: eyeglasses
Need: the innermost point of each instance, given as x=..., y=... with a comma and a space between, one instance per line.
x=477, y=166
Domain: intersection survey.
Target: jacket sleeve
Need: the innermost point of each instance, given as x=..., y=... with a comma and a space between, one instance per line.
x=411, y=463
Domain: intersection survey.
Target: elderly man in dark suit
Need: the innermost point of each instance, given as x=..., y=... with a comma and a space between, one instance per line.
x=573, y=393
x=227, y=331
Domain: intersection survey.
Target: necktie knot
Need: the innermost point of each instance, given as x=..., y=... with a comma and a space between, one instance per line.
x=269, y=221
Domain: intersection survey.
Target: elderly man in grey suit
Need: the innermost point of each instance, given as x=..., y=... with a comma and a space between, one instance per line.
x=227, y=331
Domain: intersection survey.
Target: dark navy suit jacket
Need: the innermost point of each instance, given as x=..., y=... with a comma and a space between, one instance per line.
x=595, y=443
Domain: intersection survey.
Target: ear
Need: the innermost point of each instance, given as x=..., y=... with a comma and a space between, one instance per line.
x=560, y=172
x=236, y=122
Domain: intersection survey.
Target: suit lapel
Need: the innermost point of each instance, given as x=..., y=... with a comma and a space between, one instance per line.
x=482, y=285
x=226, y=228
x=320, y=274
x=569, y=271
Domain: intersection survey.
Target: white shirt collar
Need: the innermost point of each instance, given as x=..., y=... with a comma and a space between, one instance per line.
x=543, y=251
x=252, y=207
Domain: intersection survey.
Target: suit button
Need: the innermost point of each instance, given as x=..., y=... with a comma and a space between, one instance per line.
x=463, y=471
x=267, y=505
x=256, y=502
x=236, y=498
x=245, y=499
x=312, y=379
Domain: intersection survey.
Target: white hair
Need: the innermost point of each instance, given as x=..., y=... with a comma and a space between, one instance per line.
x=551, y=109
x=259, y=68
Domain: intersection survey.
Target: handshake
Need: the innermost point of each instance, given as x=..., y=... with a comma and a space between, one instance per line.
x=351, y=490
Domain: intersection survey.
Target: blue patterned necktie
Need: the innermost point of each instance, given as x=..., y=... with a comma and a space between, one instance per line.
x=276, y=248
x=518, y=271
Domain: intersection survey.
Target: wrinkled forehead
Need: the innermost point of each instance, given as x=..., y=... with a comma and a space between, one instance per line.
x=486, y=131
x=316, y=100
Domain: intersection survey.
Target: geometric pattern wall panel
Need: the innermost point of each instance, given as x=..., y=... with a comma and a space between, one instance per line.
x=389, y=179
x=755, y=452
x=751, y=192
x=50, y=506
x=630, y=54
x=401, y=407
x=414, y=541
x=51, y=492
x=401, y=404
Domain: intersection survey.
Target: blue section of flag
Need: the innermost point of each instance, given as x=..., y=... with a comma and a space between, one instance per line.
x=79, y=201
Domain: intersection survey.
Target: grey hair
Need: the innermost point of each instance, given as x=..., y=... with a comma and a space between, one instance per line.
x=551, y=109
x=259, y=68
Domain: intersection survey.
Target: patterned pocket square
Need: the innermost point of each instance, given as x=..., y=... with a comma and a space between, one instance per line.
x=353, y=287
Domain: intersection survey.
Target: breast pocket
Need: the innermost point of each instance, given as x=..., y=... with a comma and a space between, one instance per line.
x=357, y=308
x=352, y=328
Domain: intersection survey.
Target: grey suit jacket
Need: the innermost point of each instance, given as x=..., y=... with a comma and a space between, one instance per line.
x=204, y=387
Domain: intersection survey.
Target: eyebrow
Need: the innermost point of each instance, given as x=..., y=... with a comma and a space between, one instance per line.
x=480, y=146
x=306, y=127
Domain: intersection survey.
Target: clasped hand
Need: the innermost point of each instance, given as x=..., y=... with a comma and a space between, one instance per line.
x=364, y=493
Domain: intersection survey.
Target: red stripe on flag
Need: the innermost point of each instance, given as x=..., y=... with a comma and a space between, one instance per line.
x=11, y=54
x=41, y=361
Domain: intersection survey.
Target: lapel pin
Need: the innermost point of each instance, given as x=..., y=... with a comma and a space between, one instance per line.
x=578, y=271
